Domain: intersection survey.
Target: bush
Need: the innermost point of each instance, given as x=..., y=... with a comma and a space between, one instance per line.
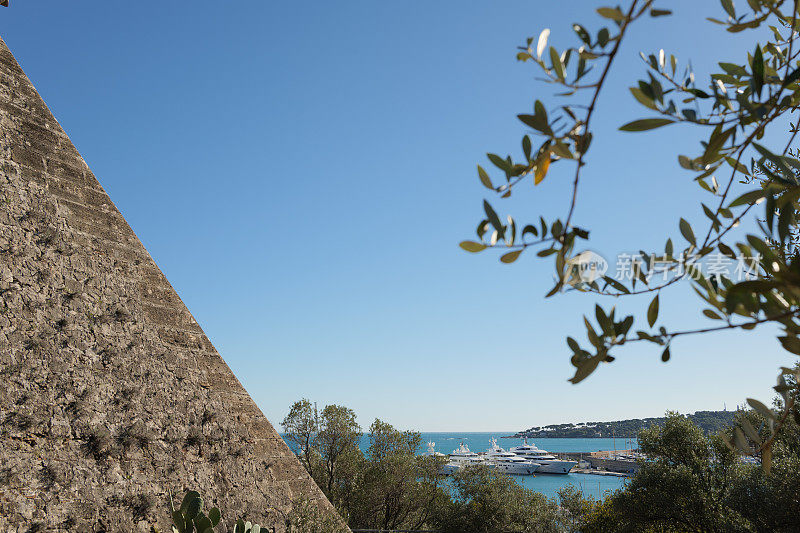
x=485, y=501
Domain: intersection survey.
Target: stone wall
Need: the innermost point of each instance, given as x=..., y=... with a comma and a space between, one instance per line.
x=111, y=396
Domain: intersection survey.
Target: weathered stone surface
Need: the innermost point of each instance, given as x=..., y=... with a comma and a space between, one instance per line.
x=111, y=396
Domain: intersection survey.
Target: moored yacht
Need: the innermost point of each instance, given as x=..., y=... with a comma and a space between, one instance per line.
x=508, y=462
x=549, y=463
x=432, y=451
x=460, y=458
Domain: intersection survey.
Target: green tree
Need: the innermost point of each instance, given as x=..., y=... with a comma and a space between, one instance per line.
x=736, y=110
x=306, y=517
x=326, y=444
x=485, y=501
x=336, y=441
x=397, y=489
x=771, y=500
x=692, y=482
x=576, y=508
x=300, y=428
x=685, y=484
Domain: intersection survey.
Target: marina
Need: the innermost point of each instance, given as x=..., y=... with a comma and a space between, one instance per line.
x=523, y=460
x=594, y=481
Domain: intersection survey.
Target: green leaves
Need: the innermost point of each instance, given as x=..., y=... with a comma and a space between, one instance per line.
x=762, y=409
x=758, y=70
x=494, y=220
x=786, y=221
x=585, y=369
x=538, y=120
x=582, y=34
x=603, y=36
x=484, y=177
x=643, y=99
x=732, y=111
x=727, y=5
x=541, y=114
x=510, y=257
x=646, y=124
x=472, y=246
x=791, y=78
x=749, y=197
x=665, y=355
x=558, y=65
x=499, y=162
x=652, y=312
x=781, y=164
x=612, y=332
x=751, y=432
x=790, y=343
x=686, y=231
x=612, y=13
x=715, y=143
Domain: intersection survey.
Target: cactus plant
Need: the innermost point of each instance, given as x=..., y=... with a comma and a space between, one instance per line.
x=246, y=527
x=189, y=517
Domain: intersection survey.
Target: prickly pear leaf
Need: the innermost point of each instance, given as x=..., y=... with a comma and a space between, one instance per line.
x=214, y=515
x=194, y=507
x=202, y=522
x=187, y=499
x=178, y=522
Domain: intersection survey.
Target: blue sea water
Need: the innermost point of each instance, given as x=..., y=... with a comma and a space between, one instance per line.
x=590, y=485
x=548, y=484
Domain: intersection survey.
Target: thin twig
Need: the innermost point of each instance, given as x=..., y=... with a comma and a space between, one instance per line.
x=611, y=56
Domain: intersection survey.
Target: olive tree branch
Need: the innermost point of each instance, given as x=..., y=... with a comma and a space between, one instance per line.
x=752, y=323
x=589, y=113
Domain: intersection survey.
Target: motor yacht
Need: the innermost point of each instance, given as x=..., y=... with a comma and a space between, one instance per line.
x=460, y=458
x=508, y=462
x=549, y=463
x=432, y=451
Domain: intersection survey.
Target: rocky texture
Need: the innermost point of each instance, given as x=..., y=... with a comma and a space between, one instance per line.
x=110, y=394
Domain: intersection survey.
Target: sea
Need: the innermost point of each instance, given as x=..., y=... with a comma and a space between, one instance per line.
x=591, y=485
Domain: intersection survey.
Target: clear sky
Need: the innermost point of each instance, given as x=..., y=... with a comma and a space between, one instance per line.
x=302, y=172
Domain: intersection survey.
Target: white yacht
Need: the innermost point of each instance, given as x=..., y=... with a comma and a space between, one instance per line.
x=460, y=458
x=549, y=463
x=508, y=462
x=432, y=451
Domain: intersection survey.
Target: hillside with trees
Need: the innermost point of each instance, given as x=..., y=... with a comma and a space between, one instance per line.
x=709, y=421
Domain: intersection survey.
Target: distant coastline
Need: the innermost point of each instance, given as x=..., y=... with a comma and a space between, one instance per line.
x=708, y=421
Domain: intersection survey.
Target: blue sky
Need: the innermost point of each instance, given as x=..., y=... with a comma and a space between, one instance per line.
x=302, y=172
